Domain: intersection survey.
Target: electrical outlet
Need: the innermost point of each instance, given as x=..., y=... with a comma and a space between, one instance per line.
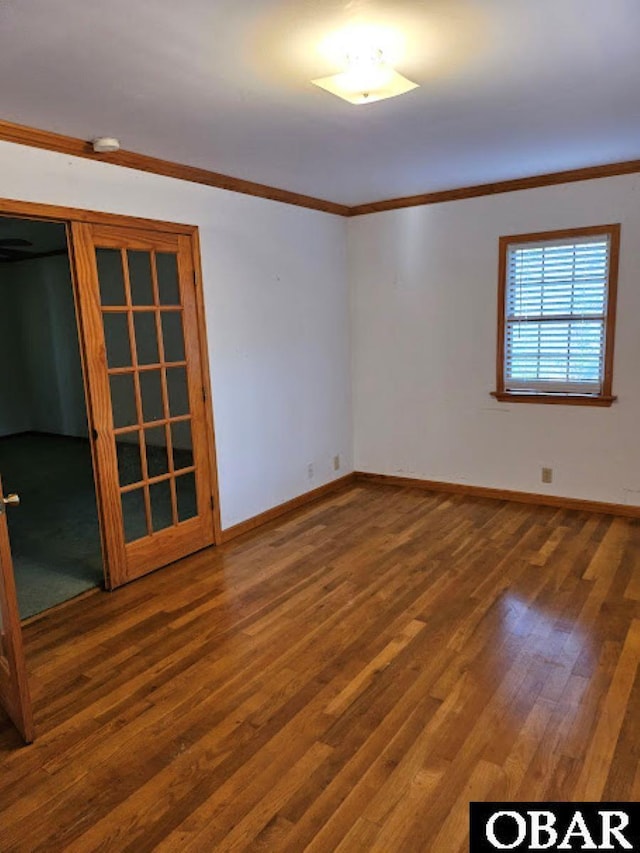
x=547, y=475
x=336, y=462
x=310, y=471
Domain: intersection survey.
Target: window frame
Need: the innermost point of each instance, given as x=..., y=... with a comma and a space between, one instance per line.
x=606, y=396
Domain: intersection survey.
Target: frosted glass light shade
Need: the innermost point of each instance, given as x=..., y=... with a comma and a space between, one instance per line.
x=364, y=85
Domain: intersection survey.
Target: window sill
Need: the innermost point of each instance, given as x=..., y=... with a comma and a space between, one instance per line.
x=558, y=399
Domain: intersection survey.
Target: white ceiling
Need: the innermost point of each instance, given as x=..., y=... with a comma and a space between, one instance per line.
x=508, y=88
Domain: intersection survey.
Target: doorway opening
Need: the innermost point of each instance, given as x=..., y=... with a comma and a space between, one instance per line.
x=106, y=422
x=45, y=452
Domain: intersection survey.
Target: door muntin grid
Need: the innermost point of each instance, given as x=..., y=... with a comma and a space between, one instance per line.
x=143, y=319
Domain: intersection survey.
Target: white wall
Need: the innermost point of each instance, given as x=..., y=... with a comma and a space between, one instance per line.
x=423, y=334
x=277, y=316
x=424, y=293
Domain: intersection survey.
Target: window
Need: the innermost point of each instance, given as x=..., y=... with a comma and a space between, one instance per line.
x=557, y=300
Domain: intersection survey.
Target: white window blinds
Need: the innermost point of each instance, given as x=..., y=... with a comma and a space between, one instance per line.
x=555, y=315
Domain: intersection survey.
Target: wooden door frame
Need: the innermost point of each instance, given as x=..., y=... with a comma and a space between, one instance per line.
x=68, y=215
x=15, y=696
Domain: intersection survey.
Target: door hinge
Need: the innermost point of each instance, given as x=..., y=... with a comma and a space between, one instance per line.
x=204, y=394
x=212, y=504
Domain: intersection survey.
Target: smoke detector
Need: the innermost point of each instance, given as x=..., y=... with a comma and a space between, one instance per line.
x=105, y=144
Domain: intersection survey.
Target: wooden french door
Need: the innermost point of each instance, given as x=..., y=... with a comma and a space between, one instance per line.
x=148, y=398
x=14, y=688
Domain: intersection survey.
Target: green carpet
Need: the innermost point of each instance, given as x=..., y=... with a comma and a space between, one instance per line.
x=55, y=538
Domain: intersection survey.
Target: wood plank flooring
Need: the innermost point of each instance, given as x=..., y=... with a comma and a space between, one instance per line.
x=348, y=679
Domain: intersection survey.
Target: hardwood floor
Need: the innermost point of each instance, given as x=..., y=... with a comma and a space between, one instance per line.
x=346, y=679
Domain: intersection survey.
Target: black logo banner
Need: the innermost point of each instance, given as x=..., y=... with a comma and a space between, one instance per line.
x=554, y=827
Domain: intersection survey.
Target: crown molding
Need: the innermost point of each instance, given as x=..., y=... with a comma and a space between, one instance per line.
x=35, y=138
x=569, y=176
x=23, y=135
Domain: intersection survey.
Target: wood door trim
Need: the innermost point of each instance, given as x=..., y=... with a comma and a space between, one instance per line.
x=97, y=389
x=206, y=384
x=75, y=283
x=14, y=684
x=118, y=236
x=195, y=378
x=59, y=213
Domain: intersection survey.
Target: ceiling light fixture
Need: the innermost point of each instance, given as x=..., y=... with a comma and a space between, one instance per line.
x=105, y=144
x=368, y=78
